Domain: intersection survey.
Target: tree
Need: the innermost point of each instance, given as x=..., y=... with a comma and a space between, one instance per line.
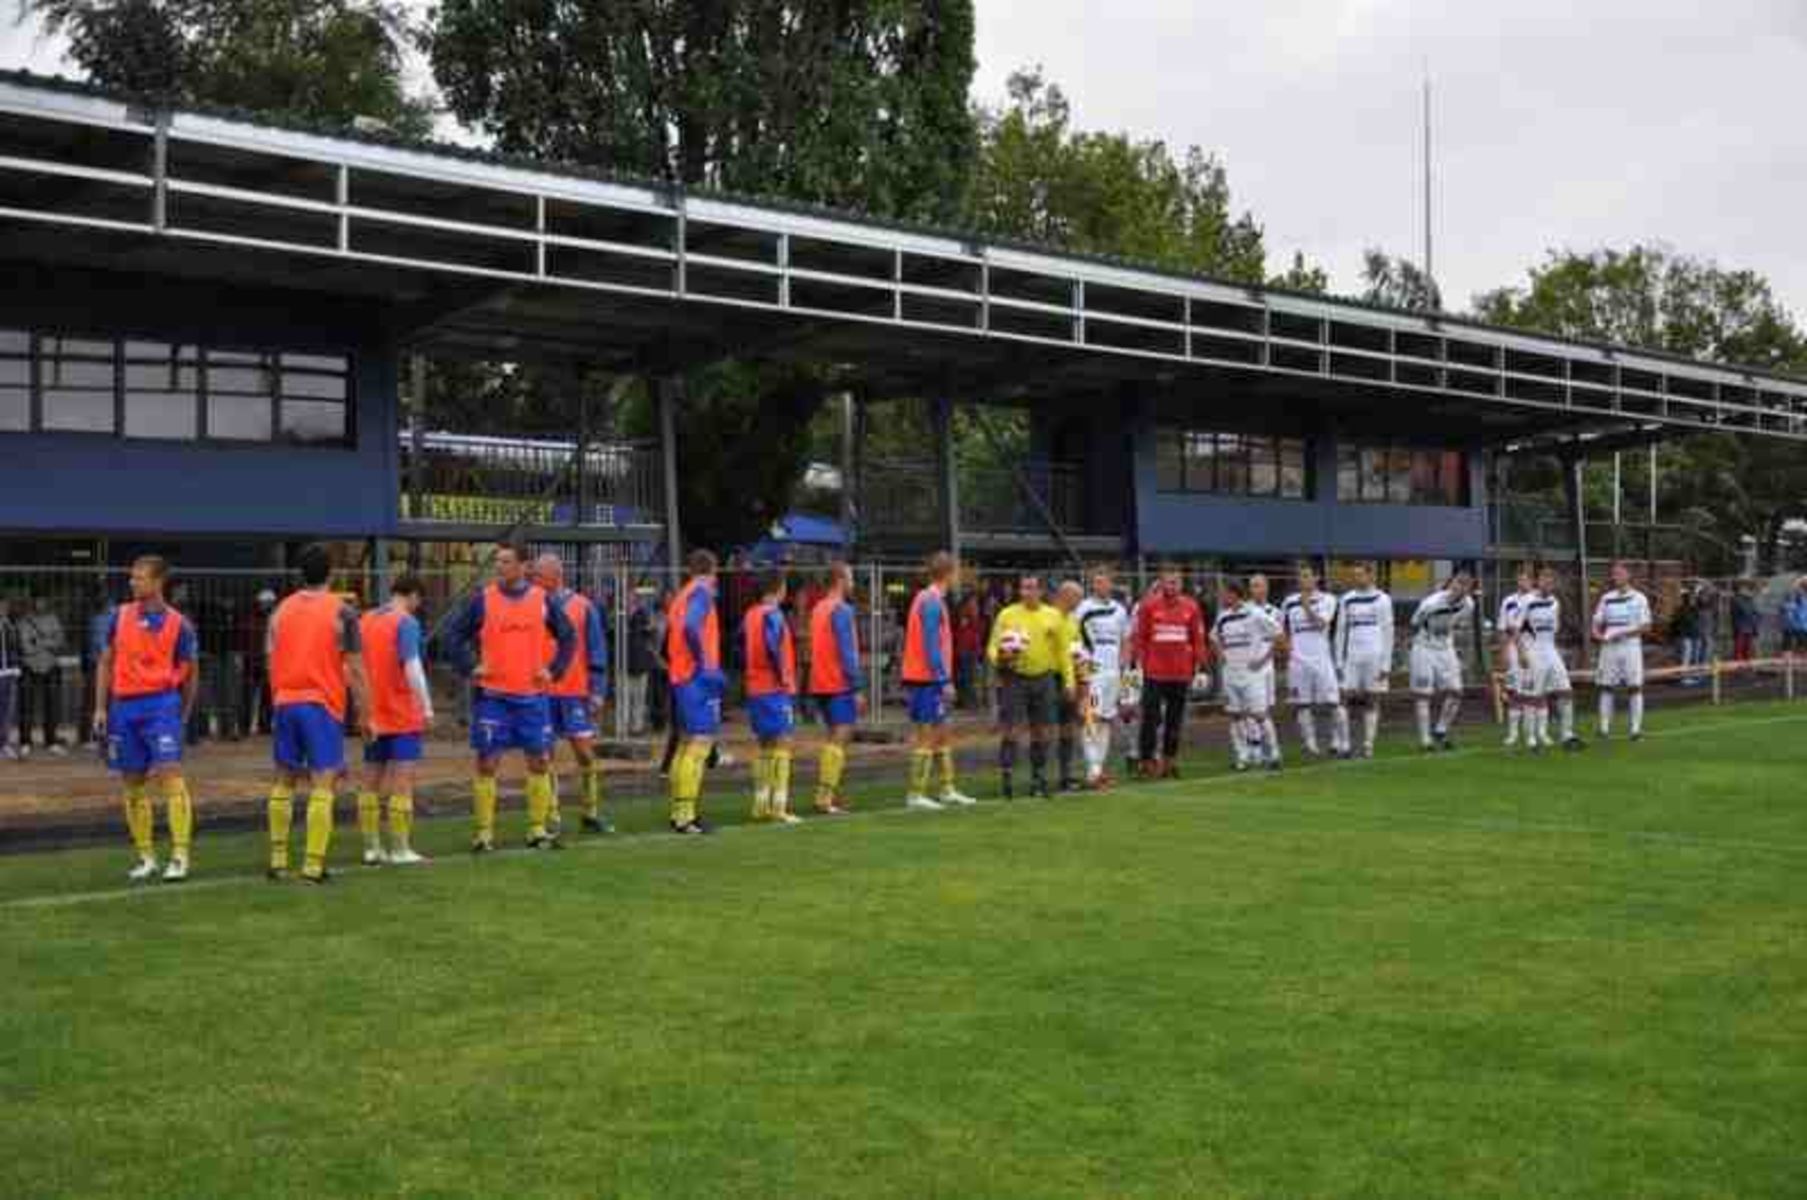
x=1398, y=283
x=1105, y=193
x=1652, y=298
x=330, y=61
x=1302, y=276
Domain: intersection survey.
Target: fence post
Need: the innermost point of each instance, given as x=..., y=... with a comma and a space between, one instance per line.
x=1788, y=675
x=875, y=666
x=623, y=598
x=1716, y=678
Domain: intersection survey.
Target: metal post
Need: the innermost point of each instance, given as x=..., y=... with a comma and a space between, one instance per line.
x=1578, y=511
x=947, y=472
x=580, y=514
x=379, y=561
x=1717, y=693
x=875, y=663
x=849, y=427
x=1788, y=675
x=670, y=391
x=623, y=600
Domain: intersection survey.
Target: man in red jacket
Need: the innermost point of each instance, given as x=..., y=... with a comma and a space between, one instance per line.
x=1169, y=646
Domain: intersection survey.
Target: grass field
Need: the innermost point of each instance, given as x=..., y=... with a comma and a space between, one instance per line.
x=1468, y=975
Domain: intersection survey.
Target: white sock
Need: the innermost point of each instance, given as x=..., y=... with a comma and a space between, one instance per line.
x=1606, y=699
x=1339, y=729
x=1272, y=736
x=1423, y=708
x=1308, y=730
x=1637, y=712
x=1370, y=723
x=1540, y=725
x=1446, y=720
x=1239, y=751
x=1565, y=713
x=1515, y=716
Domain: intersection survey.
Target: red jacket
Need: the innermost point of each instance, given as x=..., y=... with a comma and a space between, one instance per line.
x=1169, y=640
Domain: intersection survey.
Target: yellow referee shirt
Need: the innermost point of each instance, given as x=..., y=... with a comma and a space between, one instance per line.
x=1049, y=646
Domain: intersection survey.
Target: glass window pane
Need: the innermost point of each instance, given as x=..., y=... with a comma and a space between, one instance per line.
x=1399, y=476
x=15, y=409
x=1201, y=462
x=317, y=387
x=1374, y=473
x=15, y=371
x=1232, y=464
x=78, y=347
x=166, y=377
x=249, y=358
x=1348, y=473
x=1454, y=478
x=1292, y=468
x=1264, y=467
x=14, y=341
x=318, y=362
x=313, y=421
x=153, y=351
x=238, y=379
x=78, y=411
x=161, y=415
x=1169, y=475
x=239, y=418
x=1424, y=477
x=77, y=373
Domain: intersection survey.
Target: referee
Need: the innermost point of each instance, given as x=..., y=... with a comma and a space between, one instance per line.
x=1030, y=650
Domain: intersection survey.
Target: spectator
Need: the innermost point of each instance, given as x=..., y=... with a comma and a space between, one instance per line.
x=41, y=644
x=249, y=636
x=1684, y=628
x=1706, y=603
x=969, y=649
x=9, y=679
x=1794, y=618
x=641, y=663
x=93, y=645
x=1746, y=621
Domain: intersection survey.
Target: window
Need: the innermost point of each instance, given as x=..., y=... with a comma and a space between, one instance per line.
x=172, y=391
x=1231, y=464
x=1401, y=475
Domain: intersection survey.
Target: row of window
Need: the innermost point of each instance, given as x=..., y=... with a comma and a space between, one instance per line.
x=1238, y=464
x=170, y=391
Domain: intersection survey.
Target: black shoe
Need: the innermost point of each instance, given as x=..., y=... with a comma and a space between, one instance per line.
x=1273, y=764
x=1345, y=755
x=322, y=878
x=1172, y=771
x=1638, y=736
x=1573, y=744
x=482, y=846
x=276, y=874
x=1069, y=785
x=1038, y=789
x=1428, y=747
x=1446, y=743
x=548, y=841
x=696, y=828
x=597, y=824
x=1006, y=788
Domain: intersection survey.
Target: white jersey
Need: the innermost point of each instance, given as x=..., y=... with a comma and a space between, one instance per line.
x=1539, y=621
x=1103, y=630
x=1511, y=613
x=1620, y=612
x=1436, y=618
x=1244, y=636
x=1308, y=627
x=1364, y=627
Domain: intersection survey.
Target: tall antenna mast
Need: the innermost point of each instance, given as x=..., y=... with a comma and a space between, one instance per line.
x=1430, y=267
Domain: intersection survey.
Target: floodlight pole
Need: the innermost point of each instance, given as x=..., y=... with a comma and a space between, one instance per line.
x=669, y=391
x=1578, y=512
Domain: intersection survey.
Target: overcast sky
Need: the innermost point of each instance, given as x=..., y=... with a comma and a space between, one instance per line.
x=1558, y=123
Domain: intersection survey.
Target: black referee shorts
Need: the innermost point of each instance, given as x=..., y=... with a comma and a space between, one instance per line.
x=1028, y=699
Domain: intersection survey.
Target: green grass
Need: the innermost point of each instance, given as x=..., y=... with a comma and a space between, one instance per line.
x=1418, y=977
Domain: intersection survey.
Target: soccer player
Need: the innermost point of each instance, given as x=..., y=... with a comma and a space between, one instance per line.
x=1258, y=592
x=401, y=709
x=1103, y=629
x=693, y=657
x=1071, y=708
x=1364, y=650
x=1436, y=671
x=1545, y=677
x=314, y=662
x=1621, y=620
x=928, y=679
x=144, y=688
x=836, y=683
x=1511, y=658
x=1029, y=649
x=1244, y=637
x=771, y=658
x=1306, y=618
x=1170, y=648
x=522, y=642
x=577, y=695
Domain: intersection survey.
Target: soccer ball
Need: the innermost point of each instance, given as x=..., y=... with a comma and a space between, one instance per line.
x=1082, y=663
x=1011, y=643
x=1201, y=685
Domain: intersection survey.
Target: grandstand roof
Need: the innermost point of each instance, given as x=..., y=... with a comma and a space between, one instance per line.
x=484, y=254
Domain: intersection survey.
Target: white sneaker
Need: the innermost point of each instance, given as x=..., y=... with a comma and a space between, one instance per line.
x=407, y=857
x=144, y=872
x=786, y=817
x=956, y=797
x=176, y=872
x=58, y=750
x=921, y=803
x=374, y=857
x=9, y=753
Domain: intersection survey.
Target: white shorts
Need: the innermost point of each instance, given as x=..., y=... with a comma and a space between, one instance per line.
x=1269, y=677
x=1544, y=677
x=1245, y=693
x=1107, y=691
x=1621, y=664
x=1365, y=673
x=1435, y=670
x=1312, y=681
x=1512, y=673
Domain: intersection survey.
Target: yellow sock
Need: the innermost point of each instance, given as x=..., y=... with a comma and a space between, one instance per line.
x=401, y=820
x=483, y=808
x=593, y=790
x=319, y=831
x=180, y=814
x=138, y=820
x=946, y=755
x=539, y=803
x=687, y=782
x=762, y=784
x=370, y=820
x=555, y=816
x=780, y=779
x=922, y=766
x=828, y=782
x=282, y=815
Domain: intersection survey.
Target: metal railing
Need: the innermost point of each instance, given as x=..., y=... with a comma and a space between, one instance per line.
x=461, y=480
x=904, y=497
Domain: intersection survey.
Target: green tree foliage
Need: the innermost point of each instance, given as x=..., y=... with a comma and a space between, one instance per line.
x=1397, y=283
x=859, y=104
x=1302, y=276
x=1105, y=193
x=1649, y=297
x=328, y=61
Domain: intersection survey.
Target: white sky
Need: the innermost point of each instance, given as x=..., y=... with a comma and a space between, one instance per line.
x=1558, y=124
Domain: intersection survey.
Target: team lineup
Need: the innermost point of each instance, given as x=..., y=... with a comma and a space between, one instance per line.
x=1072, y=669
